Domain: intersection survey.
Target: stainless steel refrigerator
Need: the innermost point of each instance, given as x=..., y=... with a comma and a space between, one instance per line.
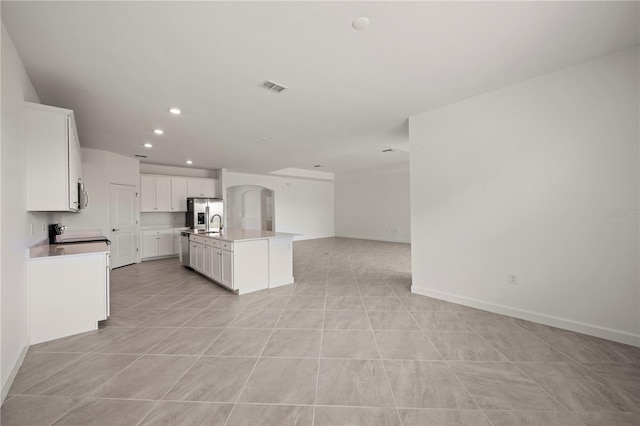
x=205, y=214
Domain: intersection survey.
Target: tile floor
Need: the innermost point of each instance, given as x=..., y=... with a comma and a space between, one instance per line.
x=348, y=344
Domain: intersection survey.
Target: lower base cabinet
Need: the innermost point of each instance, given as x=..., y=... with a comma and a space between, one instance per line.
x=160, y=243
x=67, y=295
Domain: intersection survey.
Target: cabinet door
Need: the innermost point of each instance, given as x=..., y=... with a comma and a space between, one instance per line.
x=177, y=244
x=207, y=260
x=165, y=245
x=147, y=193
x=178, y=194
x=75, y=165
x=215, y=263
x=200, y=257
x=163, y=194
x=193, y=187
x=150, y=246
x=209, y=188
x=226, y=275
x=192, y=255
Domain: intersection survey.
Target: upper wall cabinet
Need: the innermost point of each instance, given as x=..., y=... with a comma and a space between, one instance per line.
x=169, y=193
x=202, y=187
x=53, y=158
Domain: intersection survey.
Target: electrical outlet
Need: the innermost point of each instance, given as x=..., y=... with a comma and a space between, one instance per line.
x=513, y=279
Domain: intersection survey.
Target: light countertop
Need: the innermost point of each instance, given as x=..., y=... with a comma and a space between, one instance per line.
x=50, y=250
x=232, y=235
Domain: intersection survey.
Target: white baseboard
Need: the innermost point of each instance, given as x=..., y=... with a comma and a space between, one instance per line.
x=376, y=238
x=14, y=372
x=564, y=323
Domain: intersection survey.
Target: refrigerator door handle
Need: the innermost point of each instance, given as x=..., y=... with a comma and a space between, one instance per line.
x=206, y=218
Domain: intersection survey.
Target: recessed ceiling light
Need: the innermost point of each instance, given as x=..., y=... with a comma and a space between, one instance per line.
x=148, y=145
x=189, y=162
x=158, y=131
x=175, y=111
x=360, y=23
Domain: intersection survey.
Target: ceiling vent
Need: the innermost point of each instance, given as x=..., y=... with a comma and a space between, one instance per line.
x=140, y=156
x=272, y=86
x=387, y=150
x=318, y=166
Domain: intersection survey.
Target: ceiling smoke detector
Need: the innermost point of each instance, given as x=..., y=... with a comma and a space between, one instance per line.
x=272, y=86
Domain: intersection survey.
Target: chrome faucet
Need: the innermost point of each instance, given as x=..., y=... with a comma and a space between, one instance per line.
x=211, y=221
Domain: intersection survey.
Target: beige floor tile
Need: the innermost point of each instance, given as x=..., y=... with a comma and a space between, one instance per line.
x=405, y=344
x=149, y=377
x=346, y=320
x=82, y=377
x=427, y=384
x=301, y=319
x=37, y=366
x=187, y=413
x=353, y=383
x=263, y=415
x=356, y=416
x=344, y=303
x=214, y=317
x=35, y=410
x=293, y=343
x=433, y=417
x=187, y=341
x=213, y=379
x=527, y=418
x=524, y=347
x=358, y=344
x=267, y=318
x=106, y=412
x=578, y=389
x=240, y=342
x=440, y=321
x=609, y=419
x=392, y=320
x=282, y=381
x=464, y=346
x=503, y=386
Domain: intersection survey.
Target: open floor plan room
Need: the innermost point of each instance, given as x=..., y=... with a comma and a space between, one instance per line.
x=348, y=344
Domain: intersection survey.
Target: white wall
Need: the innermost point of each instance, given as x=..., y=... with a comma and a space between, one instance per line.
x=99, y=170
x=301, y=206
x=155, y=169
x=374, y=208
x=15, y=221
x=522, y=180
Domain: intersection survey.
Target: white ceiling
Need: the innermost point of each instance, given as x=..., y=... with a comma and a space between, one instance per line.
x=121, y=65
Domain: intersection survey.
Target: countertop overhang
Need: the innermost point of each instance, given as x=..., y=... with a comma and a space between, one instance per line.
x=42, y=251
x=235, y=235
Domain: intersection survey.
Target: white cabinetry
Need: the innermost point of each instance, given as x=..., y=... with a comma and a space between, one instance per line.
x=53, y=159
x=169, y=193
x=178, y=194
x=155, y=193
x=159, y=243
x=67, y=295
x=202, y=187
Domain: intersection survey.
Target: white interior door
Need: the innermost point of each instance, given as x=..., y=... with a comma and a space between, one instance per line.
x=123, y=225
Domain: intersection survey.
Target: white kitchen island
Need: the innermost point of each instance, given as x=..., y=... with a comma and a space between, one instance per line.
x=243, y=260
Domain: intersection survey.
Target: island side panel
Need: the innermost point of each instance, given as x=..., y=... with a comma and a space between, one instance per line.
x=250, y=265
x=66, y=295
x=280, y=262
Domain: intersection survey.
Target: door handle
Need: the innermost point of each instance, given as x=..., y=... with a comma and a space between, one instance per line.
x=115, y=230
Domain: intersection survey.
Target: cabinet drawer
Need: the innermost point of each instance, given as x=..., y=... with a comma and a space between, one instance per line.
x=214, y=243
x=197, y=239
x=226, y=245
